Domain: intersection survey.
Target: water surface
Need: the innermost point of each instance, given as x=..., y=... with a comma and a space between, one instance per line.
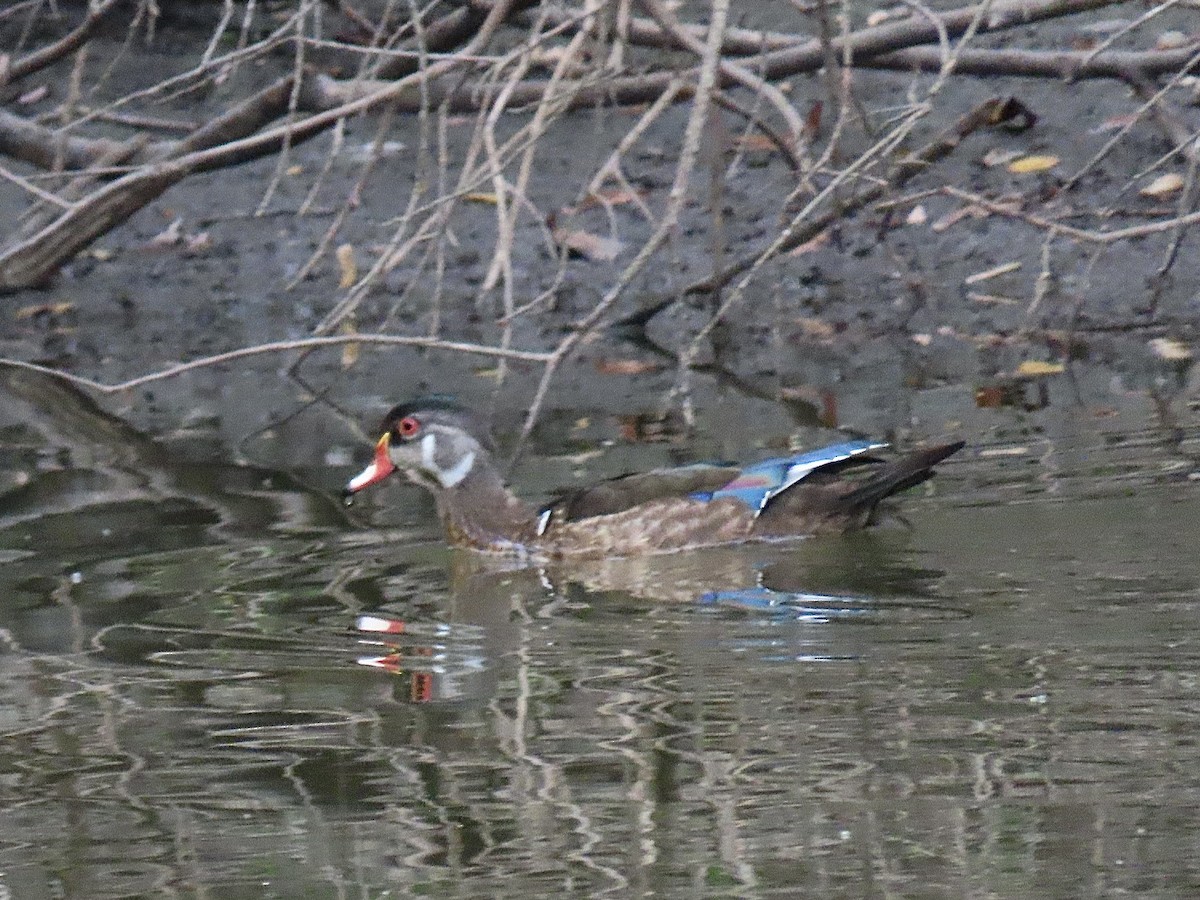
x=198, y=699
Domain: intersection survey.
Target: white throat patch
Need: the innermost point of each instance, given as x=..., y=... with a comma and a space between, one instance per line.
x=448, y=477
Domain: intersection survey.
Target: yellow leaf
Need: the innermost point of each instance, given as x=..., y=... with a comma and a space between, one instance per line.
x=346, y=265
x=482, y=197
x=1035, y=368
x=1027, y=164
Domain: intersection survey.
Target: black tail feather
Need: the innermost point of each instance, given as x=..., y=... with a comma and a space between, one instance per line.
x=904, y=473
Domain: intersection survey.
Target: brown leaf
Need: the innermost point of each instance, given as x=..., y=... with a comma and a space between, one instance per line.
x=812, y=121
x=994, y=396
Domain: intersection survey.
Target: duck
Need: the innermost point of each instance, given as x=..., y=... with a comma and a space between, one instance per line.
x=444, y=447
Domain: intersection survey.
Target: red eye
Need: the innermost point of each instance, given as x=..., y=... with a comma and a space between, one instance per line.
x=408, y=427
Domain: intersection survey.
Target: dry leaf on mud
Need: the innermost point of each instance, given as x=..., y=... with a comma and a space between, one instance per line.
x=991, y=397
x=169, y=236
x=1116, y=123
x=1171, y=350
x=197, y=244
x=482, y=197
x=997, y=157
x=969, y=211
x=626, y=366
x=756, y=142
x=43, y=309
x=347, y=266
x=612, y=198
x=1171, y=40
x=1038, y=368
x=583, y=243
x=616, y=197
x=1163, y=186
x=349, y=350
x=815, y=328
x=813, y=243
x=879, y=16
x=1029, y=164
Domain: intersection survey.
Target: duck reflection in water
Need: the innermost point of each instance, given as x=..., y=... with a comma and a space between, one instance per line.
x=727, y=597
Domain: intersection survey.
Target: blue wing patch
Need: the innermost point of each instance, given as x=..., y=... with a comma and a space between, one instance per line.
x=757, y=484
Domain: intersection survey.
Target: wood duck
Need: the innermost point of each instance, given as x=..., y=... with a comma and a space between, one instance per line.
x=441, y=446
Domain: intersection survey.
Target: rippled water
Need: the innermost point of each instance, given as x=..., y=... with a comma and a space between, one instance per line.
x=215, y=683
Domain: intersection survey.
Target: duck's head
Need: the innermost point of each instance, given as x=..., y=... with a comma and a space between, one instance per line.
x=435, y=442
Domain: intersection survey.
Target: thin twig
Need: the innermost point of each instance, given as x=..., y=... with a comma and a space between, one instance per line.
x=383, y=340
